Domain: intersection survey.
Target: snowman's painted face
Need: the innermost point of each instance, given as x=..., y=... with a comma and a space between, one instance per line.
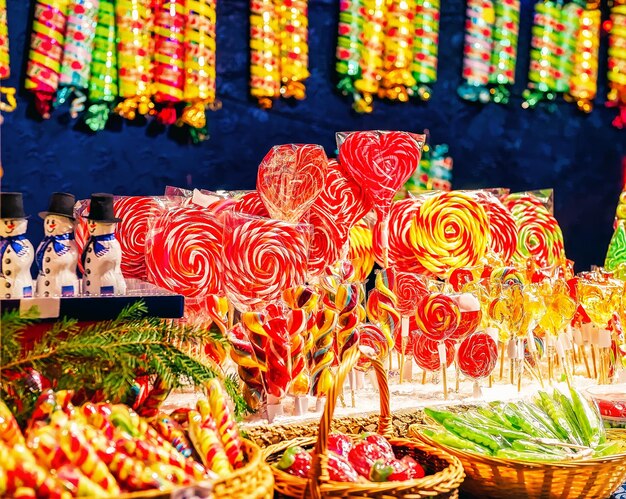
x=56, y=225
x=13, y=227
x=99, y=229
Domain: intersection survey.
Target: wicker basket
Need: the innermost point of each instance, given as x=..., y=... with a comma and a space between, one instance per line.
x=505, y=478
x=252, y=481
x=445, y=471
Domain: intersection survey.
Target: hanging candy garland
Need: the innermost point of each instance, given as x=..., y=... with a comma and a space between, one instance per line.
x=349, y=46
x=264, y=52
x=397, y=79
x=617, y=62
x=479, y=27
x=5, y=70
x=425, y=47
x=570, y=21
x=294, y=48
x=77, y=54
x=583, y=84
x=46, y=51
x=169, y=58
x=545, y=49
x=504, y=55
x=200, y=83
x=103, y=73
x=134, y=51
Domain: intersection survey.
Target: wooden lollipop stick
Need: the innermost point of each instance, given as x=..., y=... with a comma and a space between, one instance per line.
x=501, y=360
x=424, y=377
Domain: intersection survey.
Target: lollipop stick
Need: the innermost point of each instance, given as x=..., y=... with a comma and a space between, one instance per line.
x=593, y=361
x=532, y=348
x=443, y=362
x=352, y=381
x=384, y=236
x=491, y=381
x=424, y=377
x=583, y=354
x=404, y=334
x=457, y=371
x=501, y=360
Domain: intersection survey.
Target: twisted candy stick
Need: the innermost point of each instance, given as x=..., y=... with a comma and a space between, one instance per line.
x=349, y=45
x=371, y=54
x=382, y=305
x=103, y=72
x=425, y=47
x=617, y=63
x=78, y=483
x=323, y=353
x=77, y=53
x=134, y=52
x=226, y=425
x=264, y=52
x=450, y=231
x=397, y=78
x=504, y=55
x=361, y=251
x=203, y=435
x=372, y=337
x=172, y=432
x=151, y=405
x=350, y=316
x=477, y=52
x=242, y=353
x=278, y=328
x=184, y=253
x=10, y=432
x=570, y=20
x=543, y=55
x=200, y=50
x=169, y=54
x=583, y=84
x=294, y=49
x=46, y=50
x=5, y=68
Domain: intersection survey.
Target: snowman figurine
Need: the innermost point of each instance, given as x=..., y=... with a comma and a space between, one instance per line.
x=57, y=255
x=102, y=254
x=16, y=252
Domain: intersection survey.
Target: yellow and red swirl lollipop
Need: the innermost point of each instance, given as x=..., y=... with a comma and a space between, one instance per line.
x=361, y=252
x=261, y=258
x=437, y=316
x=450, y=231
x=502, y=228
x=373, y=339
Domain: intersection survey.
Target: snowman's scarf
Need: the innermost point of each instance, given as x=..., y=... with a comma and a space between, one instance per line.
x=59, y=248
x=98, y=248
x=16, y=244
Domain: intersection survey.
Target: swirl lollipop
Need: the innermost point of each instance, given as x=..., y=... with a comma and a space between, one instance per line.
x=361, y=251
x=502, y=228
x=470, y=314
x=478, y=355
x=183, y=253
x=290, y=178
x=450, y=231
x=252, y=204
x=372, y=337
x=262, y=258
x=381, y=162
x=426, y=353
x=326, y=243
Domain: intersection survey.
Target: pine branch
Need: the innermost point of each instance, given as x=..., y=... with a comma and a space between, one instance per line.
x=107, y=356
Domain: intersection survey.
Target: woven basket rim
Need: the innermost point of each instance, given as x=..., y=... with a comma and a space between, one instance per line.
x=513, y=463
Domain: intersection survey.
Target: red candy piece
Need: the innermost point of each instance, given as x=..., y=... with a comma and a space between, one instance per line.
x=364, y=455
x=478, y=355
x=340, y=444
x=340, y=469
x=426, y=353
x=295, y=461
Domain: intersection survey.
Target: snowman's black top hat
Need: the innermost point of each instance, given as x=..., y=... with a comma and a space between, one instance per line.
x=11, y=205
x=101, y=209
x=62, y=204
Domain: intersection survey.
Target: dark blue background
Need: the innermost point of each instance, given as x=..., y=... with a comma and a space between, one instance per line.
x=579, y=156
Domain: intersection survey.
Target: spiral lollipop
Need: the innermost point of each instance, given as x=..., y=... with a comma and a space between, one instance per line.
x=437, y=316
x=326, y=243
x=361, y=251
x=397, y=78
x=184, y=253
x=262, y=258
x=425, y=47
x=502, y=228
x=479, y=26
x=135, y=48
x=583, y=84
x=77, y=53
x=169, y=57
x=199, y=90
x=504, y=55
x=323, y=354
x=450, y=231
x=617, y=63
x=46, y=51
x=349, y=45
x=478, y=355
x=372, y=53
x=371, y=337
x=543, y=55
x=103, y=72
x=426, y=353
x=264, y=52
x=5, y=68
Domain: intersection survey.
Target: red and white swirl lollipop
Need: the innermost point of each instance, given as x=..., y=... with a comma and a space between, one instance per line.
x=478, y=355
x=262, y=257
x=251, y=204
x=502, y=228
x=328, y=239
x=426, y=353
x=381, y=162
x=183, y=252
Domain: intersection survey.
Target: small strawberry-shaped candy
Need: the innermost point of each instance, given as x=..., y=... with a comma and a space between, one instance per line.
x=339, y=444
x=364, y=455
x=381, y=442
x=416, y=468
x=340, y=469
x=295, y=461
